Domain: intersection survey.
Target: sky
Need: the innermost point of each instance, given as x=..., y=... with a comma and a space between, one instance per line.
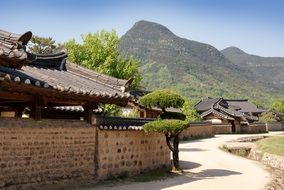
x=255, y=26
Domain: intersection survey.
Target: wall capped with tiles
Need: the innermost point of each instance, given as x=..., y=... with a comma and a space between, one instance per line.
x=48, y=151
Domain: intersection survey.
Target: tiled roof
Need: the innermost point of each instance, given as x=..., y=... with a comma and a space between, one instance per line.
x=62, y=81
x=218, y=113
x=79, y=109
x=115, y=83
x=53, y=74
x=118, y=123
x=228, y=109
x=244, y=105
x=12, y=48
x=205, y=104
x=51, y=61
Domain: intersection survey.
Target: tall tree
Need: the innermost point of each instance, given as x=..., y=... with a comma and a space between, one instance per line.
x=99, y=52
x=170, y=126
x=42, y=45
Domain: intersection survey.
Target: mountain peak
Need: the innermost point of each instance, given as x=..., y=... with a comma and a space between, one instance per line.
x=234, y=50
x=150, y=28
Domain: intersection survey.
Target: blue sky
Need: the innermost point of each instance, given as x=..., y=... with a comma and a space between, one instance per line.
x=256, y=26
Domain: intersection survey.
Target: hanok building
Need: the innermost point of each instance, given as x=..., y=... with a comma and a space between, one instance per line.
x=39, y=84
x=61, y=147
x=228, y=111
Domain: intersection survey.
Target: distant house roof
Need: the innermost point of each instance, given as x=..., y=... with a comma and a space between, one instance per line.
x=244, y=106
x=52, y=76
x=206, y=104
x=228, y=109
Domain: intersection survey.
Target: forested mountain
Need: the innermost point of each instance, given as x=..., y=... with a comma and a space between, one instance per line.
x=264, y=68
x=194, y=69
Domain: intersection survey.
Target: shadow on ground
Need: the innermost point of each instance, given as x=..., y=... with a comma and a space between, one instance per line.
x=174, y=180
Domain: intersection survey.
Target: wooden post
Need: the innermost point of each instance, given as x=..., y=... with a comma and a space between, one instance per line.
x=88, y=111
x=38, y=105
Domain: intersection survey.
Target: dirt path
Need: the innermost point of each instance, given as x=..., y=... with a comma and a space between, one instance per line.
x=207, y=167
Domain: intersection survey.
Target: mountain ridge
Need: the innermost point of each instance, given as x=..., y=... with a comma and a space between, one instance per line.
x=267, y=68
x=195, y=69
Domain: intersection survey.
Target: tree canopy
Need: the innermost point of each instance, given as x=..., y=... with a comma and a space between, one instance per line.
x=162, y=99
x=99, y=51
x=166, y=126
x=190, y=112
x=42, y=45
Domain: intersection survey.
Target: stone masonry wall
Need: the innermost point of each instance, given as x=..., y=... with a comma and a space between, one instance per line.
x=222, y=129
x=198, y=130
x=275, y=126
x=47, y=150
x=254, y=128
x=128, y=152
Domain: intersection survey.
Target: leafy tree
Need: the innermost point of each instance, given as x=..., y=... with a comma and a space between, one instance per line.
x=99, y=52
x=170, y=127
x=278, y=106
x=189, y=110
x=42, y=45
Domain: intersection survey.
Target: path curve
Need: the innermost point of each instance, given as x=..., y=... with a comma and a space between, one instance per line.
x=207, y=167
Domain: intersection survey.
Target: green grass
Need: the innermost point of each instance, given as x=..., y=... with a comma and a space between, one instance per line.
x=272, y=145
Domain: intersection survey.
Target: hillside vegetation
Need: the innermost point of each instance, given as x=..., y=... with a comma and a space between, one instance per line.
x=192, y=68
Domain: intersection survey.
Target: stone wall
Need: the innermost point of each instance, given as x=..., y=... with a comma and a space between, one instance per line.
x=48, y=150
x=275, y=126
x=123, y=152
x=272, y=160
x=222, y=129
x=198, y=130
x=253, y=128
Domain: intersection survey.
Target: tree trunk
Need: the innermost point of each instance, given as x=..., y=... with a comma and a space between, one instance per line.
x=174, y=149
x=176, y=153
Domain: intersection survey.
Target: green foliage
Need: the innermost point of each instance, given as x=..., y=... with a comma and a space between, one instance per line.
x=99, y=52
x=41, y=45
x=162, y=99
x=189, y=110
x=110, y=109
x=278, y=106
x=173, y=115
x=166, y=125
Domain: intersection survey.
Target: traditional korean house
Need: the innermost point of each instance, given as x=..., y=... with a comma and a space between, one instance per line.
x=38, y=84
x=50, y=130
x=228, y=111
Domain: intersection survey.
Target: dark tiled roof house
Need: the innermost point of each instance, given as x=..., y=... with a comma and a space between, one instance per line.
x=232, y=111
x=40, y=81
